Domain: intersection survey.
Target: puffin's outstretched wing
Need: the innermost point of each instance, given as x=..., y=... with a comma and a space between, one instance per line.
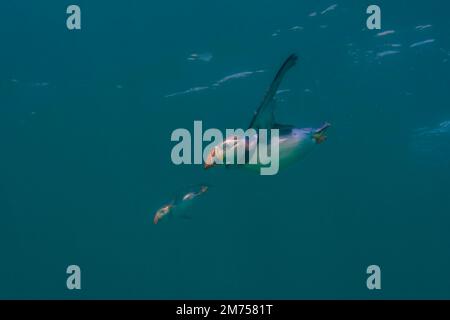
x=264, y=116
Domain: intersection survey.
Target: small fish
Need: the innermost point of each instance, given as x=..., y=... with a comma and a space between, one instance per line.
x=296, y=28
x=216, y=84
x=313, y=14
x=282, y=91
x=330, y=8
x=385, y=33
x=195, y=89
x=205, y=57
x=238, y=75
x=387, y=53
x=423, y=27
x=421, y=43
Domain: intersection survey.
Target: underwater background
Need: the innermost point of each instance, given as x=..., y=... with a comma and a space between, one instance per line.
x=85, y=123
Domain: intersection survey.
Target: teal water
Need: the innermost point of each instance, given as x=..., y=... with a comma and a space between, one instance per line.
x=85, y=124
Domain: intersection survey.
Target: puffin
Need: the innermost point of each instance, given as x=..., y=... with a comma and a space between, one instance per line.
x=293, y=143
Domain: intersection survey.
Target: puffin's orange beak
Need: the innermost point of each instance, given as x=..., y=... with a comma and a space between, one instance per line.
x=210, y=160
x=208, y=165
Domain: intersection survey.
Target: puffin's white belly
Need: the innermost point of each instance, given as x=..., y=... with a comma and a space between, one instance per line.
x=291, y=150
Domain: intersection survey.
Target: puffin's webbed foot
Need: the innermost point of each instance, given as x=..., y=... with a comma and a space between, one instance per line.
x=319, y=136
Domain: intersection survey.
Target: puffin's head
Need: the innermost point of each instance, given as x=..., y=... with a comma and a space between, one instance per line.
x=162, y=212
x=209, y=161
x=215, y=156
x=318, y=135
